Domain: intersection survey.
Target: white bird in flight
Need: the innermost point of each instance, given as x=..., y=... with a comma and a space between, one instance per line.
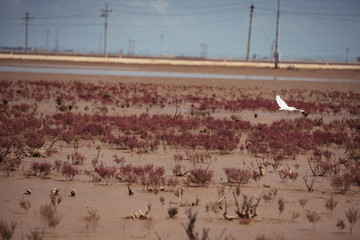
x=284, y=106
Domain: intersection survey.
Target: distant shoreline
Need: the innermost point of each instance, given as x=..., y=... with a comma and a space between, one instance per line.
x=177, y=62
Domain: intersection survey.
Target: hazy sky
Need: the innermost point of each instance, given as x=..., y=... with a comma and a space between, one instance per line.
x=315, y=29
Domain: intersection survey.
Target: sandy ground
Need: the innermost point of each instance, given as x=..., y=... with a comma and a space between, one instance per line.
x=113, y=203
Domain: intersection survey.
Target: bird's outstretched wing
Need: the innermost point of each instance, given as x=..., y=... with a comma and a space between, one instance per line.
x=281, y=102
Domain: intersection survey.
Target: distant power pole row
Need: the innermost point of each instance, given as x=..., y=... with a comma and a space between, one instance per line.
x=27, y=18
x=276, y=54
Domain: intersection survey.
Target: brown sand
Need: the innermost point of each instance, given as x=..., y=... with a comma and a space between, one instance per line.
x=113, y=202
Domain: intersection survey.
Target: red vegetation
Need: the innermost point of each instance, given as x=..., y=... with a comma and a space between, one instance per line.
x=200, y=176
x=238, y=175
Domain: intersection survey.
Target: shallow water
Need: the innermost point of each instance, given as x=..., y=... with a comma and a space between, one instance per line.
x=117, y=71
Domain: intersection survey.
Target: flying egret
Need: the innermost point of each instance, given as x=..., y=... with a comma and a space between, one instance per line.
x=284, y=106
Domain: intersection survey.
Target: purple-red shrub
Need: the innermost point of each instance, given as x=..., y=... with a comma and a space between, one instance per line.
x=287, y=173
x=107, y=173
x=322, y=162
x=127, y=173
x=42, y=169
x=68, y=171
x=9, y=165
x=200, y=176
x=342, y=183
x=238, y=175
x=326, y=137
x=76, y=158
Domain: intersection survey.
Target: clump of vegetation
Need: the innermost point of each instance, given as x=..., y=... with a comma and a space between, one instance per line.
x=322, y=162
x=281, y=205
x=198, y=157
x=49, y=216
x=190, y=227
x=179, y=169
x=247, y=211
x=141, y=214
x=248, y=207
x=303, y=201
x=55, y=200
x=200, y=176
x=10, y=165
x=313, y=217
x=107, y=173
x=238, y=175
x=287, y=173
x=91, y=220
x=270, y=194
x=342, y=183
x=331, y=204
x=7, y=230
x=69, y=171
x=352, y=216
x=41, y=169
x=76, y=158
x=34, y=235
x=309, y=183
x=25, y=204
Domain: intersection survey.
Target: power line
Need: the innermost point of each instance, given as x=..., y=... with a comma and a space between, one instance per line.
x=185, y=24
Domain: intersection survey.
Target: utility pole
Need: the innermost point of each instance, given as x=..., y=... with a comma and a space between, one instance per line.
x=347, y=55
x=27, y=18
x=249, y=40
x=105, y=14
x=277, y=37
